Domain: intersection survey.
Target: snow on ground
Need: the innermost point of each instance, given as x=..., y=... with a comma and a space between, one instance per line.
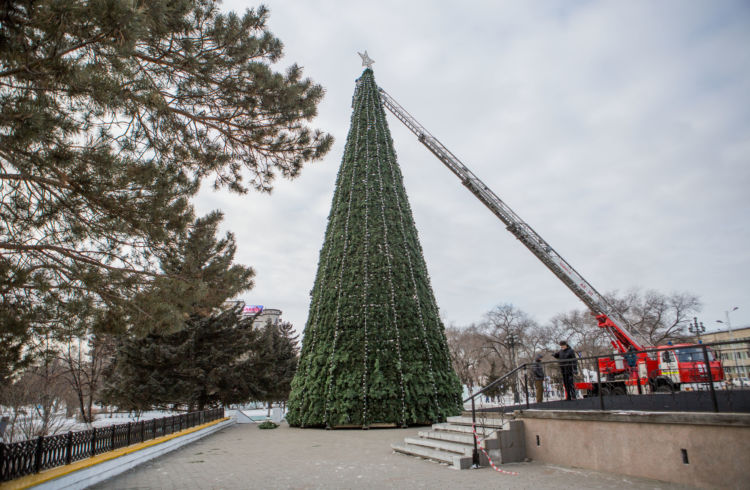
x=62, y=424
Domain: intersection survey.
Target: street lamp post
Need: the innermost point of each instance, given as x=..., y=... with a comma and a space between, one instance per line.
x=737, y=366
x=512, y=340
x=696, y=329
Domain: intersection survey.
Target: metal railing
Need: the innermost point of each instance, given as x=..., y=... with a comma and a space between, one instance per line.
x=499, y=381
x=44, y=452
x=697, y=382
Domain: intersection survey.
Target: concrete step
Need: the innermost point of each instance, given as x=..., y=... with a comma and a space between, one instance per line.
x=443, y=435
x=445, y=446
x=461, y=438
x=457, y=461
x=453, y=442
x=463, y=429
x=486, y=422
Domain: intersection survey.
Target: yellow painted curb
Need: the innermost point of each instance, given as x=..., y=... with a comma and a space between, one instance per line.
x=52, y=473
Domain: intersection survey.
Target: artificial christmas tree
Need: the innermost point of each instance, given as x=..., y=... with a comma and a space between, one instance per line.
x=374, y=350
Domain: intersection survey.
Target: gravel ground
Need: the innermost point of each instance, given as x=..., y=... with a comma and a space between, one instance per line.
x=243, y=456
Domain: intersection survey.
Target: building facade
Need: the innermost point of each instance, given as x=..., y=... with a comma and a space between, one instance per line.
x=266, y=315
x=736, y=357
x=262, y=314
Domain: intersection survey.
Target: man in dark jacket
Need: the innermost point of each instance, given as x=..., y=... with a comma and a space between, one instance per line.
x=568, y=368
x=631, y=358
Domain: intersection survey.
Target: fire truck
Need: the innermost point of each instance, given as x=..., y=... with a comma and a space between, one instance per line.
x=665, y=368
x=662, y=369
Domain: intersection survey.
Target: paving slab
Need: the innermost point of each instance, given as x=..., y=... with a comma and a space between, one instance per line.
x=243, y=456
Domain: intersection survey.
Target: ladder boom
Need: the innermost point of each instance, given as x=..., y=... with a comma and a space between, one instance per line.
x=519, y=228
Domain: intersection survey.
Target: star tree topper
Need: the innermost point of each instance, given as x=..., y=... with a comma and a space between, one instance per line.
x=366, y=60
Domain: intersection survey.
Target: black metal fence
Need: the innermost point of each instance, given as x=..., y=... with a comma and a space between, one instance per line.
x=34, y=455
x=702, y=377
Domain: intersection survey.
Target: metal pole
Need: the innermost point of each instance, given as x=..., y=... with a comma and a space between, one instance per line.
x=697, y=329
x=638, y=374
x=526, y=383
x=738, y=368
x=69, y=448
x=599, y=384
x=93, y=441
x=39, y=454
x=710, y=378
x=475, y=454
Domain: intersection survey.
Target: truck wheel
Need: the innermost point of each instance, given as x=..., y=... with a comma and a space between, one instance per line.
x=664, y=388
x=618, y=390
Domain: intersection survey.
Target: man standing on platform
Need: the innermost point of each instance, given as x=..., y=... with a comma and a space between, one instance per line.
x=568, y=368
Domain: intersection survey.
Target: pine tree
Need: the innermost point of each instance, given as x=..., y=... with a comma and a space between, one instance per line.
x=214, y=355
x=374, y=349
x=111, y=114
x=278, y=346
x=197, y=277
x=213, y=359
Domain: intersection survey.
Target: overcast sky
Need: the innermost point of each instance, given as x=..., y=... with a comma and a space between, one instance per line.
x=620, y=131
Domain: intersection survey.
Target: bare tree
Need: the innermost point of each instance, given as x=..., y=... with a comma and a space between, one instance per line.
x=657, y=317
x=85, y=361
x=13, y=401
x=505, y=330
x=36, y=399
x=579, y=328
x=653, y=317
x=466, y=347
x=537, y=339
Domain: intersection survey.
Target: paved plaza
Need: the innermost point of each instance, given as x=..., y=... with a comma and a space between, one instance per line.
x=243, y=456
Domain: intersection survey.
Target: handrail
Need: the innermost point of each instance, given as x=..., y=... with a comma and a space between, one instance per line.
x=496, y=382
x=475, y=453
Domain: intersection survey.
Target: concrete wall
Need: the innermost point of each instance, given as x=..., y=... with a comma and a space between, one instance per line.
x=651, y=445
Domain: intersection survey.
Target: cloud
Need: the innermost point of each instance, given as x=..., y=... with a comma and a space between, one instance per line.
x=619, y=130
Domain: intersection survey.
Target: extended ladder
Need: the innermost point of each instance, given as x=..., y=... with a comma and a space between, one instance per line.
x=597, y=303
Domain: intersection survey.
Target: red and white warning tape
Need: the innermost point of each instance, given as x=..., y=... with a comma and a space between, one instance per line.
x=481, y=446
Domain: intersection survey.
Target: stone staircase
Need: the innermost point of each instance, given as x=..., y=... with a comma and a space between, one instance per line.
x=452, y=442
